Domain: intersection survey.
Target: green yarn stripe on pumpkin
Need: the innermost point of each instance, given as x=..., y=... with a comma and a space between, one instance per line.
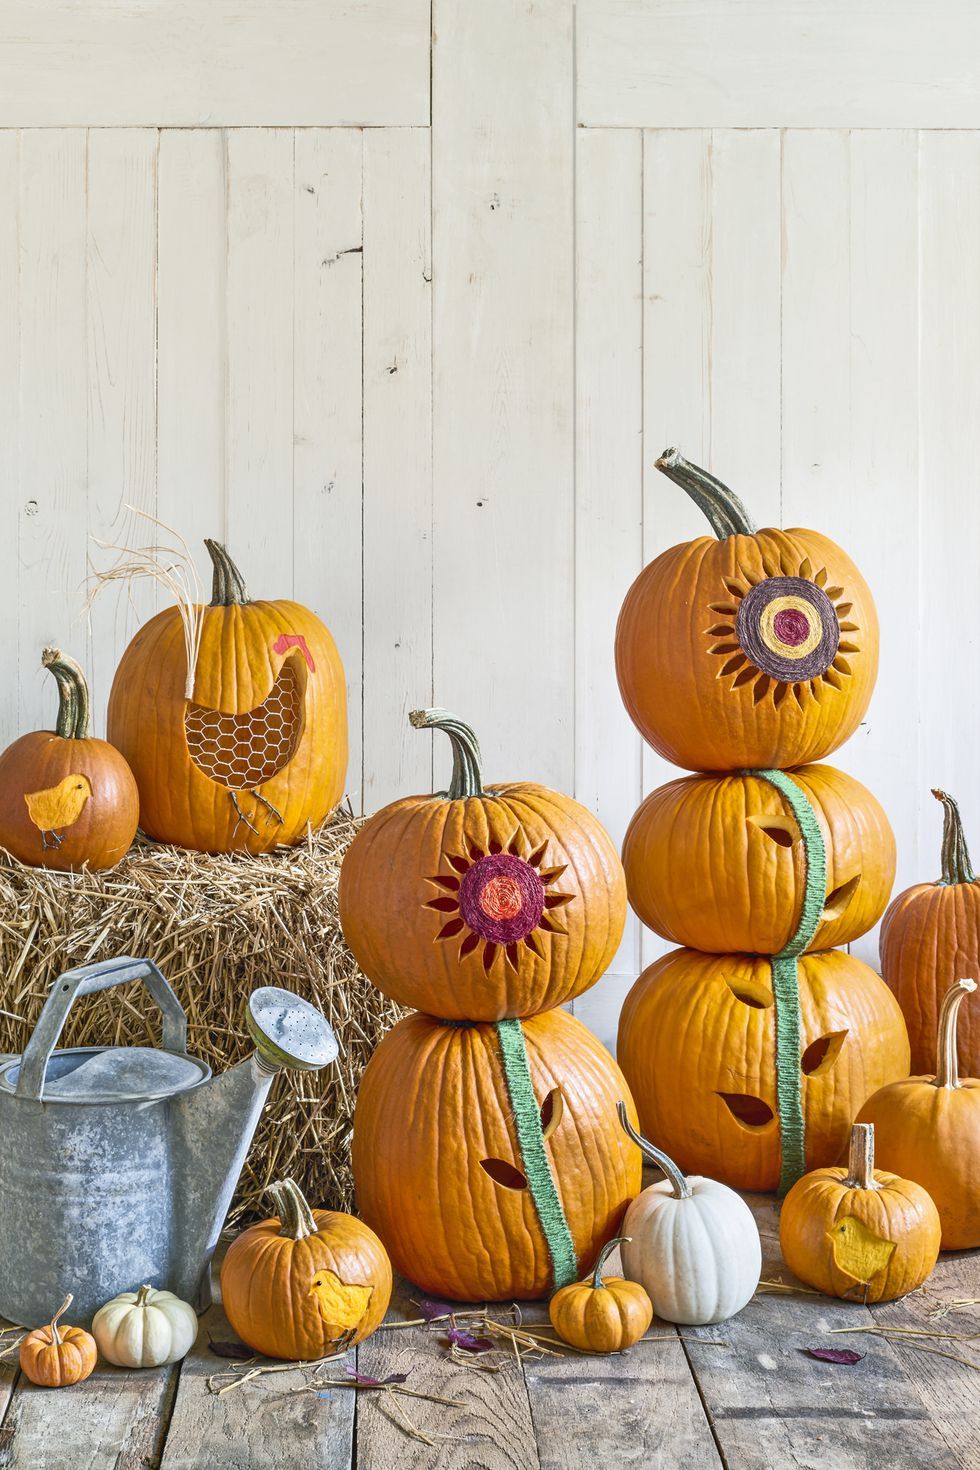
x=785, y=980
x=534, y=1155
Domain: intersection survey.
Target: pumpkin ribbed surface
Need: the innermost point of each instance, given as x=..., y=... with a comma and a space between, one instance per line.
x=930, y=937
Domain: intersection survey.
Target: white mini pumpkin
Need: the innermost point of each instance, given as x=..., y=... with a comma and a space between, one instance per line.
x=145, y=1328
x=694, y=1245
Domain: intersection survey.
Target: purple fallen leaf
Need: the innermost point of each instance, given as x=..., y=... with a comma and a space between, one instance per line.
x=835, y=1355
x=467, y=1341
x=230, y=1350
x=431, y=1308
x=364, y=1380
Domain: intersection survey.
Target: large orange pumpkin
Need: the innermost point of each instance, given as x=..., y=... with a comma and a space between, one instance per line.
x=718, y=862
x=253, y=752
x=489, y=1159
x=479, y=903
x=66, y=799
x=698, y=1046
x=758, y=649
x=930, y=936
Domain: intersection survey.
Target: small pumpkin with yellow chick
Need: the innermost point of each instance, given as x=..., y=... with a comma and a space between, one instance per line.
x=295, y=1285
x=928, y=1128
x=860, y=1232
x=57, y=1356
x=603, y=1314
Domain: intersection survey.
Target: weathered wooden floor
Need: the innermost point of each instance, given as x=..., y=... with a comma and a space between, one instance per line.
x=757, y=1402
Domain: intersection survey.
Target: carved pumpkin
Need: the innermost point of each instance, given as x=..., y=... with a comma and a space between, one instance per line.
x=698, y=1046
x=859, y=1232
x=928, y=1129
x=718, y=862
x=604, y=1314
x=929, y=937
x=481, y=903
x=758, y=649
x=66, y=799
x=253, y=752
x=489, y=1158
x=56, y=1356
x=295, y=1285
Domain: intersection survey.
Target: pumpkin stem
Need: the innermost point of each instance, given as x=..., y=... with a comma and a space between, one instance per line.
x=947, y=1068
x=74, y=704
x=678, y=1182
x=861, y=1158
x=467, y=777
x=227, y=584
x=53, y=1326
x=956, y=858
x=725, y=512
x=604, y=1255
x=295, y=1216
x=142, y=1295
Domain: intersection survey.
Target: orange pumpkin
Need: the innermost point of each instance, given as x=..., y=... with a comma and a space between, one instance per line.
x=251, y=748
x=758, y=649
x=56, y=1357
x=718, y=862
x=930, y=936
x=697, y=1043
x=295, y=1285
x=481, y=903
x=928, y=1128
x=604, y=1314
x=473, y=1198
x=859, y=1232
x=66, y=799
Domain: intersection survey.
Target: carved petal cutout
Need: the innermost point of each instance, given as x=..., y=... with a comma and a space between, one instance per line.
x=750, y=993
x=839, y=898
x=821, y=1054
x=749, y=1111
x=504, y=1174
x=783, y=831
x=551, y=1112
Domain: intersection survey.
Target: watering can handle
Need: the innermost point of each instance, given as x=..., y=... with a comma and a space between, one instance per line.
x=87, y=980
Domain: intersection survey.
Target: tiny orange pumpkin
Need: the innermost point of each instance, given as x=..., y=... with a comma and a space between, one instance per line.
x=56, y=1357
x=604, y=1314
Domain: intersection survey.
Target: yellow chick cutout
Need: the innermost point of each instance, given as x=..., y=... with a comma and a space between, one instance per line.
x=342, y=1307
x=58, y=806
x=859, y=1252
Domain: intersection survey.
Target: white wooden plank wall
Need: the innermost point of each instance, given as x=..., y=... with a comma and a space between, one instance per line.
x=416, y=369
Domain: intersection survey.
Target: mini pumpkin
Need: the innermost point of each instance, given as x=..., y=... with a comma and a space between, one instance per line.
x=691, y=1242
x=859, y=1232
x=712, y=1105
x=489, y=1157
x=481, y=903
x=66, y=799
x=248, y=748
x=56, y=1356
x=145, y=1328
x=719, y=862
x=295, y=1285
x=757, y=649
x=931, y=935
x=928, y=1129
x=604, y=1314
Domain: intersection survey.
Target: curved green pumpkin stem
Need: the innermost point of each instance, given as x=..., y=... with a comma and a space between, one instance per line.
x=956, y=857
x=467, y=779
x=227, y=583
x=725, y=512
x=74, y=703
x=295, y=1216
x=604, y=1255
x=947, y=1065
x=678, y=1181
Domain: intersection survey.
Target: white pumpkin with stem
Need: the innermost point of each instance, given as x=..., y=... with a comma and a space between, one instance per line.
x=145, y=1328
x=694, y=1245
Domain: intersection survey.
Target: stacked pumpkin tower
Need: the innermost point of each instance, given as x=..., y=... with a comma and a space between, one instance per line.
x=487, y=1150
x=747, y=658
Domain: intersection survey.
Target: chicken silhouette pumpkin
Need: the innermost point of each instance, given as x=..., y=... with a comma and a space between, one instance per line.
x=859, y=1252
x=59, y=806
x=341, y=1304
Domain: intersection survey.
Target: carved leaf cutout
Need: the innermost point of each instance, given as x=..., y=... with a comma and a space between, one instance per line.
x=504, y=1174
x=821, y=1054
x=551, y=1112
x=780, y=830
x=839, y=898
x=750, y=1111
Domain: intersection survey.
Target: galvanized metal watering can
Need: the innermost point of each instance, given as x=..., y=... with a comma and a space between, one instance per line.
x=118, y=1163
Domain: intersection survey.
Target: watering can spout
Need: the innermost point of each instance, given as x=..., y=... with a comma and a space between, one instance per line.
x=214, y=1125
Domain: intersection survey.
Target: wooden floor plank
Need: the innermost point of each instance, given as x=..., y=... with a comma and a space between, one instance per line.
x=264, y=1425
x=771, y=1405
x=114, y=1421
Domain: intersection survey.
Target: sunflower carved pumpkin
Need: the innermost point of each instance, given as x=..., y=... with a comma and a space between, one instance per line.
x=481, y=903
x=249, y=747
x=757, y=649
x=489, y=1158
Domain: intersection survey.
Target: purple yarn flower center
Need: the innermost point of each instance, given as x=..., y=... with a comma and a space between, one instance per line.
x=501, y=898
